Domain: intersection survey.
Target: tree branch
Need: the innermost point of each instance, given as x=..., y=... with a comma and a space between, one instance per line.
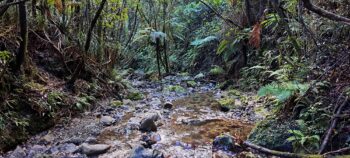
x=12, y=3
x=325, y=13
x=228, y=21
x=332, y=126
x=276, y=153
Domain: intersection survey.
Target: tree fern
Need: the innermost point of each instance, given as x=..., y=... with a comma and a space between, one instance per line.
x=282, y=91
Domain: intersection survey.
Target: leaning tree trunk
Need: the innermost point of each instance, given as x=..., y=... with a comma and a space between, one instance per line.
x=21, y=57
x=81, y=65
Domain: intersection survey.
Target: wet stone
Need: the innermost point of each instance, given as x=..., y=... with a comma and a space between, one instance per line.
x=142, y=152
x=168, y=105
x=91, y=140
x=68, y=148
x=75, y=140
x=107, y=120
x=94, y=149
x=224, y=142
x=148, y=125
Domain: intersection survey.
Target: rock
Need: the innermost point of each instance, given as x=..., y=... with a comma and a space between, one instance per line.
x=134, y=95
x=48, y=138
x=107, y=120
x=148, y=125
x=91, y=140
x=155, y=102
x=94, y=149
x=141, y=152
x=168, y=105
x=272, y=133
x=36, y=150
x=226, y=104
x=246, y=154
x=224, y=142
x=127, y=102
x=150, y=139
x=68, y=148
x=199, y=76
x=191, y=83
x=116, y=103
x=221, y=154
x=75, y=140
x=18, y=152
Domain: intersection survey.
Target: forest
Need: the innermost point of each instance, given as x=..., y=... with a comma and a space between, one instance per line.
x=174, y=78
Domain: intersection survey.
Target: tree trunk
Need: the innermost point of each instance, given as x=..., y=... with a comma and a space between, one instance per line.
x=249, y=12
x=158, y=57
x=21, y=58
x=81, y=65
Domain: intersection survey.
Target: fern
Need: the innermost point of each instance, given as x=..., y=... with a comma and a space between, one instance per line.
x=283, y=91
x=201, y=42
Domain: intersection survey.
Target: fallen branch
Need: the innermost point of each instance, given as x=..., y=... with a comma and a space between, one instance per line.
x=340, y=151
x=325, y=13
x=333, y=125
x=278, y=153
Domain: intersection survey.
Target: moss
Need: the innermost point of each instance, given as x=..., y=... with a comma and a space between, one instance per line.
x=116, y=103
x=176, y=88
x=234, y=92
x=227, y=103
x=191, y=83
x=134, y=95
x=216, y=71
x=272, y=133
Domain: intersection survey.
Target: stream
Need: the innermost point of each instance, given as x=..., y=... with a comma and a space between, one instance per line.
x=165, y=123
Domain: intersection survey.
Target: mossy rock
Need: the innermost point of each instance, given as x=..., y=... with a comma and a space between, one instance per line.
x=116, y=103
x=273, y=134
x=216, y=71
x=226, y=104
x=176, y=88
x=234, y=92
x=134, y=95
x=191, y=83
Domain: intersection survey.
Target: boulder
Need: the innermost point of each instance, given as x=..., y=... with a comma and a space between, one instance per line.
x=272, y=134
x=94, y=149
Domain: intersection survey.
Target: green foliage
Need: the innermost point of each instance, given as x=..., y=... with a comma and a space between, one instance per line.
x=5, y=56
x=84, y=102
x=134, y=95
x=282, y=91
x=302, y=142
x=216, y=71
x=227, y=102
x=175, y=88
x=191, y=83
x=201, y=42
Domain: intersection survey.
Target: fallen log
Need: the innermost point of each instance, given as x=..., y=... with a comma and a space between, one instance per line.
x=278, y=153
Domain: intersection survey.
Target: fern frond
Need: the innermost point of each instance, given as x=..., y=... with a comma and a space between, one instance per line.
x=283, y=91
